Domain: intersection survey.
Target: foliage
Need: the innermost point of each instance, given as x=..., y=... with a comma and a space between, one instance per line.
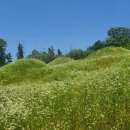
x=51, y=54
x=59, y=52
x=4, y=57
x=44, y=56
x=118, y=36
x=118, y=40
x=113, y=32
x=78, y=54
x=38, y=55
x=3, y=46
x=20, y=54
x=8, y=58
x=97, y=45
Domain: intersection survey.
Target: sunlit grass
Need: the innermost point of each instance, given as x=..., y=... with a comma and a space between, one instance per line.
x=61, y=60
x=89, y=94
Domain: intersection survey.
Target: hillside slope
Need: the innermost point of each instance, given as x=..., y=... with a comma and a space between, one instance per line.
x=88, y=94
x=110, y=51
x=19, y=70
x=23, y=64
x=61, y=60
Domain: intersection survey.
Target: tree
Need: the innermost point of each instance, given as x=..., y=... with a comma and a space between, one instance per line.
x=3, y=46
x=20, y=53
x=44, y=56
x=8, y=58
x=113, y=32
x=76, y=54
x=118, y=36
x=97, y=45
x=51, y=54
x=59, y=52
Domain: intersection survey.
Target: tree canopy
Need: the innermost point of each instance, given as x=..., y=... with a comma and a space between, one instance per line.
x=4, y=58
x=20, y=53
x=116, y=31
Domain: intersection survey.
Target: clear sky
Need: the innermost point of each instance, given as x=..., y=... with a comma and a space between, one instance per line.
x=64, y=24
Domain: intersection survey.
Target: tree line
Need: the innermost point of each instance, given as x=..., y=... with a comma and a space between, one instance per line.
x=6, y=58
x=117, y=36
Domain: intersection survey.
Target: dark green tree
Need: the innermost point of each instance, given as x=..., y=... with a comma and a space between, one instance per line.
x=97, y=45
x=118, y=41
x=113, y=32
x=118, y=36
x=3, y=46
x=51, y=54
x=76, y=54
x=20, y=53
x=8, y=58
x=59, y=52
x=46, y=57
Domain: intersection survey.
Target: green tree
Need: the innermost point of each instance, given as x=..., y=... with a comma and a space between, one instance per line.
x=43, y=56
x=8, y=58
x=113, y=32
x=35, y=54
x=20, y=53
x=3, y=46
x=51, y=54
x=118, y=37
x=76, y=54
x=59, y=52
x=97, y=45
x=118, y=40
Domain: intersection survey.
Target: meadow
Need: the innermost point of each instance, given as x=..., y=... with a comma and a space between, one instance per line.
x=88, y=94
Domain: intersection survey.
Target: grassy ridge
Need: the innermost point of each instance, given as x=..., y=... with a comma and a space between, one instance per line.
x=110, y=51
x=22, y=65
x=34, y=70
x=61, y=60
x=89, y=94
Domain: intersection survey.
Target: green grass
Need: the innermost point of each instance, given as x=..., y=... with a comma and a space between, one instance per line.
x=127, y=46
x=88, y=94
x=61, y=60
x=23, y=64
x=110, y=51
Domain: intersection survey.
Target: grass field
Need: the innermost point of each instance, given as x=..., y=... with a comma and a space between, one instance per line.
x=88, y=94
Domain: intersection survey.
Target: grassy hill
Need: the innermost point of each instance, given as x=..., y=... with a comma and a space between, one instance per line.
x=61, y=60
x=19, y=70
x=109, y=51
x=23, y=64
x=88, y=94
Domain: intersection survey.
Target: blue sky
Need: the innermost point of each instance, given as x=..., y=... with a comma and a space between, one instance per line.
x=64, y=24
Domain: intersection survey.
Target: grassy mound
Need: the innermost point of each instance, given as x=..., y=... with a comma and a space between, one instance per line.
x=110, y=51
x=23, y=64
x=31, y=71
x=19, y=71
x=61, y=60
x=89, y=94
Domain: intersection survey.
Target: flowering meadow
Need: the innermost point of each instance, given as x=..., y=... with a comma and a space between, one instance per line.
x=88, y=94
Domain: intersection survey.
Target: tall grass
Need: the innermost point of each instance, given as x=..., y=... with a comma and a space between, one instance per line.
x=90, y=94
